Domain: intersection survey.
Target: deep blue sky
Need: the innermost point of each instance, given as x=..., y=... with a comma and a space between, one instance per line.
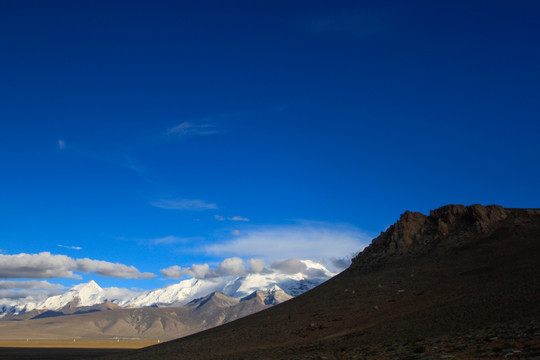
x=146, y=132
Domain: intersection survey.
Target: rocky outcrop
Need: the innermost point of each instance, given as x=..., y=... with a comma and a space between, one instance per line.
x=445, y=228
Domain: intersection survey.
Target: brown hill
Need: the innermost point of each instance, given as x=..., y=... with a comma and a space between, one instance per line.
x=463, y=282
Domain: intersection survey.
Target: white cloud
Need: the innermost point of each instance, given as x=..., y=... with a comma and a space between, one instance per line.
x=228, y=267
x=306, y=240
x=46, y=266
x=219, y=217
x=184, y=204
x=290, y=266
x=28, y=289
x=255, y=265
x=38, y=266
x=236, y=232
x=116, y=270
x=188, y=128
x=199, y=271
x=174, y=271
x=61, y=144
x=231, y=266
x=27, y=294
x=31, y=284
x=70, y=247
x=235, y=267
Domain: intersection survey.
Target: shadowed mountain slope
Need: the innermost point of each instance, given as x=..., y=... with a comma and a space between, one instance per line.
x=462, y=281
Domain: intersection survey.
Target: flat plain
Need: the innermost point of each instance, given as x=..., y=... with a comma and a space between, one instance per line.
x=66, y=349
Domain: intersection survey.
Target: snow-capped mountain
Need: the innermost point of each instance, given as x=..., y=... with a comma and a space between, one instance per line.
x=183, y=292
x=293, y=284
x=271, y=282
x=87, y=294
x=180, y=293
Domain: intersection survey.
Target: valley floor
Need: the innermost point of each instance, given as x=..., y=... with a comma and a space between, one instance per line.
x=65, y=349
x=78, y=343
x=14, y=353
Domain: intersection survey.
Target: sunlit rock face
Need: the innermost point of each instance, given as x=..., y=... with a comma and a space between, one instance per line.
x=445, y=228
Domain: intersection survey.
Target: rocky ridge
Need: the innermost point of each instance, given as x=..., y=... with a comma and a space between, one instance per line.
x=444, y=229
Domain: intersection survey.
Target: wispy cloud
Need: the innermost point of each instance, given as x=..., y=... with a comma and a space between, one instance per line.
x=70, y=247
x=305, y=240
x=238, y=218
x=171, y=239
x=45, y=265
x=188, y=128
x=233, y=218
x=105, y=153
x=204, y=126
x=184, y=204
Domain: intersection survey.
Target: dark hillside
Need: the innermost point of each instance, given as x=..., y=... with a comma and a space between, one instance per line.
x=462, y=282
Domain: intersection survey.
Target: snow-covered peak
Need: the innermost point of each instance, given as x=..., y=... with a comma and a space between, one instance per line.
x=87, y=288
x=180, y=293
x=293, y=284
x=86, y=294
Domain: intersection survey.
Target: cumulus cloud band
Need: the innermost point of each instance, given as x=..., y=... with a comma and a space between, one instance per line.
x=45, y=265
x=233, y=266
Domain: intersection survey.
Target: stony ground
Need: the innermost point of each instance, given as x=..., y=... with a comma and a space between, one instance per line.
x=510, y=341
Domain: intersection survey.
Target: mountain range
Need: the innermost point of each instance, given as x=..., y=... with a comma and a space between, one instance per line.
x=87, y=311
x=91, y=294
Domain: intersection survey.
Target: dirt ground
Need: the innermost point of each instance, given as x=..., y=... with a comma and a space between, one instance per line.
x=13, y=353
x=77, y=344
x=66, y=349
